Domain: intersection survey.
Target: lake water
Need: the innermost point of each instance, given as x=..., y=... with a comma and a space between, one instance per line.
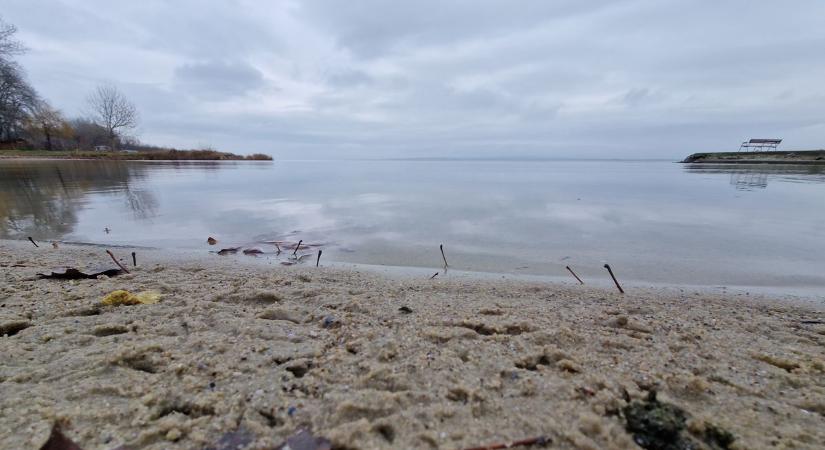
x=653, y=221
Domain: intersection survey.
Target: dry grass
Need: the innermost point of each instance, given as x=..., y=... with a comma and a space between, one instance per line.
x=162, y=155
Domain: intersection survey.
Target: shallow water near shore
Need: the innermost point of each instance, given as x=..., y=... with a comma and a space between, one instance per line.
x=653, y=221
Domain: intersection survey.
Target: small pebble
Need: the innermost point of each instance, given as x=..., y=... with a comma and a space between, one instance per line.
x=173, y=435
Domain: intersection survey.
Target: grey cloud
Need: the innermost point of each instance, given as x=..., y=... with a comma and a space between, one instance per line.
x=348, y=78
x=637, y=96
x=218, y=79
x=372, y=28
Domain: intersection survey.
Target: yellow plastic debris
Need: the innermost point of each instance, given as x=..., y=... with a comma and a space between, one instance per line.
x=121, y=297
x=148, y=297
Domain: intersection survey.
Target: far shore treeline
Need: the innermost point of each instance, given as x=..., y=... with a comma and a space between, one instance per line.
x=31, y=126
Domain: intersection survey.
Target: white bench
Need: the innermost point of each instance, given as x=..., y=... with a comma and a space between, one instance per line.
x=760, y=144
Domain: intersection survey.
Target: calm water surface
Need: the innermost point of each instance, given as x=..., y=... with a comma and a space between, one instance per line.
x=660, y=222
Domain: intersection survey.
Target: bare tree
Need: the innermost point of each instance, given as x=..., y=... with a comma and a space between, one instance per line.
x=17, y=97
x=17, y=100
x=48, y=122
x=8, y=45
x=112, y=111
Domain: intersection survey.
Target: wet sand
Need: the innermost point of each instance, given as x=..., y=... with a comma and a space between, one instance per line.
x=370, y=361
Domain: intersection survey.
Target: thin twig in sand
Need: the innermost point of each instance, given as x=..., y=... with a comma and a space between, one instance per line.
x=574, y=274
x=297, y=247
x=112, y=255
x=441, y=246
x=609, y=270
x=32, y=241
x=318, y=261
x=134, y=259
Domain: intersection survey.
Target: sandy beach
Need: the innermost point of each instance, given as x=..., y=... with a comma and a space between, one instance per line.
x=368, y=361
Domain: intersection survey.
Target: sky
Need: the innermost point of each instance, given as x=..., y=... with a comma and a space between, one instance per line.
x=433, y=78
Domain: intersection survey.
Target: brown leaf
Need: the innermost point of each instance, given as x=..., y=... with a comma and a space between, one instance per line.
x=229, y=251
x=304, y=440
x=59, y=441
x=212, y=241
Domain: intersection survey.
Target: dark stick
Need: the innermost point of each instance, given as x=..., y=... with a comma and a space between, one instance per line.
x=117, y=262
x=607, y=266
x=434, y=275
x=538, y=440
x=278, y=247
x=574, y=274
x=318, y=261
x=297, y=247
x=32, y=241
x=441, y=246
x=134, y=259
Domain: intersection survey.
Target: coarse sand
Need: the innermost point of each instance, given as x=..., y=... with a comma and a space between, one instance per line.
x=371, y=361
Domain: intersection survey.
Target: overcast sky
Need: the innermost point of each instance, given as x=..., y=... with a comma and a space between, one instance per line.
x=316, y=79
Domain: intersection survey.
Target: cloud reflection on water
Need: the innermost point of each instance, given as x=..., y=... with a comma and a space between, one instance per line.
x=652, y=221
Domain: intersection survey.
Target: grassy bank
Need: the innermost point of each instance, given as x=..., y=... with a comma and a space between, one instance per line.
x=777, y=157
x=165, y=155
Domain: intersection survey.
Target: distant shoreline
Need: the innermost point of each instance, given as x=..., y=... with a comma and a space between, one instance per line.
x=775, y=157
x=168, y=155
